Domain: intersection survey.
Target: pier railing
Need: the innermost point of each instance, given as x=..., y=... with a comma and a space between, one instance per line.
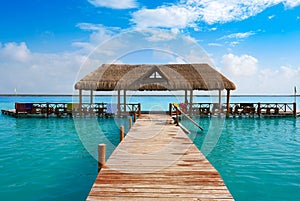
x=239, y=109
x=74, y=109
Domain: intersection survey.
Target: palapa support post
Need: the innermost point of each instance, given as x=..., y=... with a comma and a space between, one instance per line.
x=258, y=109
x=139, y=110
x=124, y=100
x=295, y=109
x=228, y=103
x=121, y=133
x=130, y=123
x=80, y=102
x=191, y=102
x=220, y=99
x=134, y=117
x=101, y=156
x=185, y=96
x=119, y=103
x=91, y=97
x=170, y=109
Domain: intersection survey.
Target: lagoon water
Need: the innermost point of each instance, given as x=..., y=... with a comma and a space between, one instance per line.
x=53, y=159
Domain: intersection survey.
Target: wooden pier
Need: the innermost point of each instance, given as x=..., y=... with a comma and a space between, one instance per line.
x=157, y=161
x=71, y=109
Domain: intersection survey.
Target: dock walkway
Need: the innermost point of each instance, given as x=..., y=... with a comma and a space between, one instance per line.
x=157, y=161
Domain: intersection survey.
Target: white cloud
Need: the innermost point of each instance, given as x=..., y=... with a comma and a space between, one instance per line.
x=249, y=78
x=235, y=38
x=14, y=52
x=238, y=35
x=244, y=65
x=115, y=4
x=157, y=35
x=99, y=34
x=215, y=44
x=37, y=72
x=271, y=17
x=188, y=12
x=165, y=16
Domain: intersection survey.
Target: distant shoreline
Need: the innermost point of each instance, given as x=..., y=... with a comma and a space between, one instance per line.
x=160, y=95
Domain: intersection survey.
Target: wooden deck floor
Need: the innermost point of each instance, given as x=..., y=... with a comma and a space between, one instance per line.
x=157, y=161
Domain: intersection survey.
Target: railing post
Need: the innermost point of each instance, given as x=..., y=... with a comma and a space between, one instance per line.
x=258, y=109
x=295, y=109
x=47, y=108
x=121, y=133
x=285, y=107
x=177, y=118
x=101, y=156
x=17, y=108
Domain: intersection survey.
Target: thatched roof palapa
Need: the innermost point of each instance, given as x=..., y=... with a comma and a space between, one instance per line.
x=109, y=77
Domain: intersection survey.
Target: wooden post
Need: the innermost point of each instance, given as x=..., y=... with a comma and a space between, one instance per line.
x=130, y=123
x=139, y=110
x=121, y=133
x=124, y=100
x=47, y=108
x=295, y=109
x=258, y=109
x=17, y=108
x=170, y=109
x=119, y=102
x=191, y=102
x=285, y=107
x=101, y=156
x=177, y=116
x=134, y=117
x=91, y=98
x=220, y=99
x=228, y=103
x=80, y=102
x=185, y=96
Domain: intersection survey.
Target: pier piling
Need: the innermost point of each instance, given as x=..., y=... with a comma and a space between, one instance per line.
x=101, y=156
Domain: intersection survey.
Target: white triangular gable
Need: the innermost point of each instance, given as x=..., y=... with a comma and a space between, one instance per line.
x=155, y=75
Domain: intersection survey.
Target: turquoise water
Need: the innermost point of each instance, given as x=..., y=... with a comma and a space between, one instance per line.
x=46, y=159
x=259, y=159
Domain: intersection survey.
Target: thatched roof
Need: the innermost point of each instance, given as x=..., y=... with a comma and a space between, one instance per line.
x=152, y=77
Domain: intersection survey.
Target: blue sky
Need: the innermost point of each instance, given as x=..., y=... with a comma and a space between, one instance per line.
x=45, y=44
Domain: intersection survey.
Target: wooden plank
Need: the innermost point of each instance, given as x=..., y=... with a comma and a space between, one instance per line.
x=156, y=160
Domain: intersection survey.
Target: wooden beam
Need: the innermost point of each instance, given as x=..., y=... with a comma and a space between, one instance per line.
x=80, y=97
x=228, y=103
x=119, y=102
x=124, y=100
x=91, y=97
x=101, y=156
x=121, y=133
x=191, y=101
x=185, y=96
x=220, y=98
x=80, y=102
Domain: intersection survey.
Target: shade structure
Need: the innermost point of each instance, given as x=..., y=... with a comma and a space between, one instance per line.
x=152, y=77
